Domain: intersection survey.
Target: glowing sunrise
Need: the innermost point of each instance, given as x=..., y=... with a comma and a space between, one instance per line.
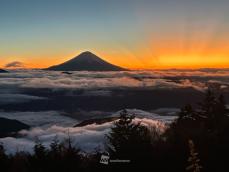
x=150, y=34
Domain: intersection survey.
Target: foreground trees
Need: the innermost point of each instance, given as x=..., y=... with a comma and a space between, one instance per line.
x=130, y=140
x=197, y=141
x=194, y=161
x=208, y=126
x=127, y=136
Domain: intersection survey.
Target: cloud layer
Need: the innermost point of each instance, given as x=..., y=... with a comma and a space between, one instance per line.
x=48, y=124
x=158, y=79
x=88, y=138
x=9, y=98
x=43, y=118
x=15, y=64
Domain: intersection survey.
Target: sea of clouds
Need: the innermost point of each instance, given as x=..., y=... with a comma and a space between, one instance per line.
x=157, y=79
x=48, y=126
x=11, y=83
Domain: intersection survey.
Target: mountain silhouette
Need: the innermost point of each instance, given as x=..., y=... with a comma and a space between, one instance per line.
x=86, y=61
x=2, y=71
x=7, y=126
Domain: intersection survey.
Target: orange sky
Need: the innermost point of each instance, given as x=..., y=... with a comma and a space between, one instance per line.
x=136, y=60
x=132, y=34
x=171, y=50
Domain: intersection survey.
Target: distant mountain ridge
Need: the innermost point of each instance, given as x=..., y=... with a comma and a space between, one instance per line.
x=2, y=71
x=9, y=126
x=86, y=61
x=97, y=121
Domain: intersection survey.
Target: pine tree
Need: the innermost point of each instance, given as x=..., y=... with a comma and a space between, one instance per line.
x=3, y=158
x=55, y=147
x=39, y=159
x=221, y=108
x=120, y=133
x=39, y=149
x=214, y=110
x=129, y=140
x=187, y=112
x=71, y=157
x=207, y=106
x=193, y=160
